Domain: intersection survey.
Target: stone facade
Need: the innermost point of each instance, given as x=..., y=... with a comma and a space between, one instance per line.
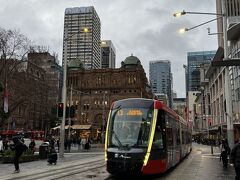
x=94, y=90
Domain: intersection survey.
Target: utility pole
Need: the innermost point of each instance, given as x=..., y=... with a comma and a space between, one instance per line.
x=64, y=89
x=69, y=118
x=103, y=116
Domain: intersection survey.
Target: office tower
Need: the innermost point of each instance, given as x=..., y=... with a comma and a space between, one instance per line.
x=108, y=54
x=82, y=33
x=194, y=60
x=161, y=78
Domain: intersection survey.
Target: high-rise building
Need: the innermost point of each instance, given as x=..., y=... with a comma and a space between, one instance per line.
x=82, y=33
x=161, y=78
x=194, y=60
x=108, y=54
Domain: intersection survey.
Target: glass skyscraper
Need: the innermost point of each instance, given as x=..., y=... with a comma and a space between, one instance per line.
x=194, y=60
x=161, y=78
x=108, y=54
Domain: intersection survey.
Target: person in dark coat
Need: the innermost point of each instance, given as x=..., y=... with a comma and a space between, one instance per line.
x=19, y=148
x=225, y=152
x=235, y=159
x=52, y=156
x=32, y=146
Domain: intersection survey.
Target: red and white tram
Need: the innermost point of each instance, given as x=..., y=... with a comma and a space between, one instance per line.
x=144, y=136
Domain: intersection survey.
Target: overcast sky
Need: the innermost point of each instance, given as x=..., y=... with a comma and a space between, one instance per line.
x=145, y=28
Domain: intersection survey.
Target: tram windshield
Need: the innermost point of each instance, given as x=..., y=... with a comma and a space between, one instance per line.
x=130, y=127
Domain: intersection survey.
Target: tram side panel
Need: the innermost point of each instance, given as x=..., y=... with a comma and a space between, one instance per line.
x=158, y=157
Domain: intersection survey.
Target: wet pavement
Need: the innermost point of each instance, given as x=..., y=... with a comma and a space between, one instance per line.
x=199, y=165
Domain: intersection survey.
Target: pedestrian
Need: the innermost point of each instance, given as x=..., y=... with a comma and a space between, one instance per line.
x=52, y=142
x=225, y=151
x=32, y=146
x=235, y=159
x=19, y=148
x=1, y=146
x=83, y=142
x=58, y=144
x=69, y=144
x=5, y=144
x=79, y=143
x=52, y=156
x=88, y=143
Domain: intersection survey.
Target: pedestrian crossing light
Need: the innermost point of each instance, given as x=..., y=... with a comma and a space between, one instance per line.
x=60, y=110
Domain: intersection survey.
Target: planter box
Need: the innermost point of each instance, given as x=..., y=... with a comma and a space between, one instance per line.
x=24, y=158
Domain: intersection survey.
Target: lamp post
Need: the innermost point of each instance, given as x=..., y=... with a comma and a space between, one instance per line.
x=182, y=30
x=64, y=89
x=62, y=130
x=69, y=118
x=103, y=116
x=227, y=78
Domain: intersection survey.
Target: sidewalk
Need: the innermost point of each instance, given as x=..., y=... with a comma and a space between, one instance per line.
x=69, y=159
x=201, y=164
x=94, y=148
x=207, y=150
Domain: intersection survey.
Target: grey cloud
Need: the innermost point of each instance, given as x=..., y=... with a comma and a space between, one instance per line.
x=145, y=28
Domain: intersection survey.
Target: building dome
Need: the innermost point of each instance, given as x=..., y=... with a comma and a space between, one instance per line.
x=76, y=64
x=132, y=60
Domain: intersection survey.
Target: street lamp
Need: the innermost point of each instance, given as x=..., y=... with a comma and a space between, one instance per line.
x=62, y=130
x=178, y=14
x=227, y=78
x=64, y=89
x=182, y=30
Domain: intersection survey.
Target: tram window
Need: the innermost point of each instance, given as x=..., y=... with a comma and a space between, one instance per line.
x=178, y=137
x=169, y=136
x=183, y=137
x=158, y=139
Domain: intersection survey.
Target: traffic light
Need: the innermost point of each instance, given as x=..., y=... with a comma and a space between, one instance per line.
x=67, y=112
x=72, y=111
x=60, y=110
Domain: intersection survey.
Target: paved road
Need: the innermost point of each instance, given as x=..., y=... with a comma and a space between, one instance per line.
x=199, y=165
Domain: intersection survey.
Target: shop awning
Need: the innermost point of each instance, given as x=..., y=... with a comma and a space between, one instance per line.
x=58, y=127
x=81, y=127
x=8, y=132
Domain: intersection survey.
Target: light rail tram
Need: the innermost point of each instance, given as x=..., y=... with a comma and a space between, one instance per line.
x=144, y=137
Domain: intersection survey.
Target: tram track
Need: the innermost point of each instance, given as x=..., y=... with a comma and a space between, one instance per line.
x=62, y=172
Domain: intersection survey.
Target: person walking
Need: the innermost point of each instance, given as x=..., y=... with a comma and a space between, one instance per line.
x=225, y=151
x=19, y=148
x=235, y=159
x=58, y=144
x=52, y=156
x=32, y=146
x=1, y=146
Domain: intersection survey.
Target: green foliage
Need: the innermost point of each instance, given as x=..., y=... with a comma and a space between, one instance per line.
x=28, y=152
x=8, y=153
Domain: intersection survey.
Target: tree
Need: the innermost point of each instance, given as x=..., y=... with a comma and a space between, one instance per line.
x=13, y=49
